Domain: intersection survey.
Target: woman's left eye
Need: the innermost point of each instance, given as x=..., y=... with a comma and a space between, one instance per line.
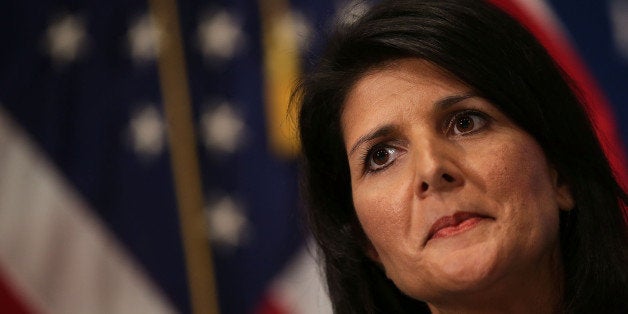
x=466, y=122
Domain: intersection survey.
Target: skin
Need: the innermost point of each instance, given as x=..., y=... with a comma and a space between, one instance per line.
x=417, y=154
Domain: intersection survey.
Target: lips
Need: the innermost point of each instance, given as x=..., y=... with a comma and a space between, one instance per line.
x=454, y=224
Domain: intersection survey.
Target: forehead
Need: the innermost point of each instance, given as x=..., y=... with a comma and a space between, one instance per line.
x=396, y=88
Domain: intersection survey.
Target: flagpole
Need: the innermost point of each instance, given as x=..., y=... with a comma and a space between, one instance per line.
x=281, y=70
x=182, y=141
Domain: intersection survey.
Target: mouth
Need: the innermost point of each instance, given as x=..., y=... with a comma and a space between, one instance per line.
x=459, y=222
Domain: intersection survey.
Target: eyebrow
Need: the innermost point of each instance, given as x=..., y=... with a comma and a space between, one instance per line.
x=378, y=132
x=449, y=101
x=387, y=129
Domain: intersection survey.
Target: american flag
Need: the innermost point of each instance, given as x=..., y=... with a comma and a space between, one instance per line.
x=147, y=150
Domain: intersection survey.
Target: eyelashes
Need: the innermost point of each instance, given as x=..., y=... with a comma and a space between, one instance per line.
x=384, y=152
x=379, y=157
x=465, y=122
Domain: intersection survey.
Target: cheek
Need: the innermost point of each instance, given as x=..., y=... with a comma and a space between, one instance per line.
x=517, y=170
x=383, y=209
x=519, y=180
x=380, y=214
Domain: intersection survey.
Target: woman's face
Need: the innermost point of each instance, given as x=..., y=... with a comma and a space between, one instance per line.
x=455, y=198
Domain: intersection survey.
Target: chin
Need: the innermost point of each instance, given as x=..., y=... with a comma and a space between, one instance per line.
x=471, y=273
x=468, y=258
x=465, y=271
x=469, y=267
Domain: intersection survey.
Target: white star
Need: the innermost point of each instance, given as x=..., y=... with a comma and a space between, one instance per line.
x=220, y=36
x=619, y=16
x=222, y=128
x=143, y=38
x=289, y=25
x=66, y=39
x=352, y=11
x=147, y=132
x=228, y=225
x=302, y=28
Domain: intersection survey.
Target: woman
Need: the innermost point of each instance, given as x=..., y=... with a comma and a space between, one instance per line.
x=449, y=167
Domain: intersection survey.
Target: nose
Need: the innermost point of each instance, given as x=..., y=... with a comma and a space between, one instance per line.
x=437, y=169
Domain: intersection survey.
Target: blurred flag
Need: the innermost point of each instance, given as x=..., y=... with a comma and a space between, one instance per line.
x=89, y=214
x=588, y=42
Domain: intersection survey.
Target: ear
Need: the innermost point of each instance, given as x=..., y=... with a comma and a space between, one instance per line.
x=564, y=198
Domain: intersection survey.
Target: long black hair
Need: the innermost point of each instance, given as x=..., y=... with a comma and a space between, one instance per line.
x=491, y=52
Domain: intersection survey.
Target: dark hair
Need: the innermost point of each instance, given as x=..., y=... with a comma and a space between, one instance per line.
x=490, y=51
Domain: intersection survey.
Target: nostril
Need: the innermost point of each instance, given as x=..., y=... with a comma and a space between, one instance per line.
x=424, y=186
x=448, y=178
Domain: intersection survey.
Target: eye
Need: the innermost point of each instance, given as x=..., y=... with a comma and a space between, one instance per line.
x=380, y=157
x=466, y=122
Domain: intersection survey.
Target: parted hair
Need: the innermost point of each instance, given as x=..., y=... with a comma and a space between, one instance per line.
x=491, y=52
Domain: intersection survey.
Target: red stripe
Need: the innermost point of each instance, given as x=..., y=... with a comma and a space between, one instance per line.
x=598, y=107
x=269, y=306
x=10, y=302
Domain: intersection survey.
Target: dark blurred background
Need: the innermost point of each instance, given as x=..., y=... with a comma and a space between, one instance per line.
x=102, y=208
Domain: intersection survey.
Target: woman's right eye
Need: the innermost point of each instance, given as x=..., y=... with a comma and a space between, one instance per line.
x=380, y=157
